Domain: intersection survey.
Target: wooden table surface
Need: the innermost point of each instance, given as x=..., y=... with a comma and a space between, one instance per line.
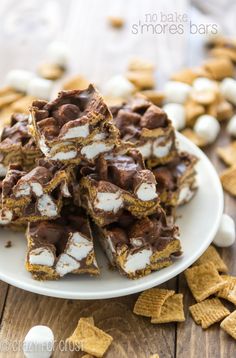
x=98, y=52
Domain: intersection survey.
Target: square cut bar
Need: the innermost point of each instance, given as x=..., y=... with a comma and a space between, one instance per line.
x=118, y=182
x=138, y=246
x=61, y=246
x=77, y=125
x=17, y=145
x=176, y=180
x=37, y=194
x=147, y=128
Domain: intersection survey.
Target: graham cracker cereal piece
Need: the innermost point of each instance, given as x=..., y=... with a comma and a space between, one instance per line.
x=116, y=21
x=150, y=302
x=90, y=339
x=228, y=153
x=76, y=82
x=229, y=291
x=187, y=75
x=51, y=71
x=224, y=52
x=208, y=312
x=212, y=255
x=196, y=139
x=193, y=110
x=140, y=64
x=204, y=280
x=229, y=324
x=22, y=105
x=171, y=311
x=89, y=320
x=87, y=356
x=228, y=180
x=219, y=68
x=156, y=97
x=141, y=79
x=224, y=110
x=9, y=98
x=154, y=355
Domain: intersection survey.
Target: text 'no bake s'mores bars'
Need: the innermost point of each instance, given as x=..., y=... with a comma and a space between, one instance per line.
x=62, y=246
x=118, y=182
x=34, y=195
x=147, y=128
x=76, y=126
x=138, y=246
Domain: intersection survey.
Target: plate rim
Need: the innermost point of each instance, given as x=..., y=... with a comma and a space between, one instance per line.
x=58, y=293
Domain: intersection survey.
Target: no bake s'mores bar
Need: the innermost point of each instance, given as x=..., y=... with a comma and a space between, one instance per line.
x=138, y=246
x=35, y=195
x=118, y=182
x=75, y=126
x=176, y=180
x=62, y=246
x=147, y=128
x=16, y=144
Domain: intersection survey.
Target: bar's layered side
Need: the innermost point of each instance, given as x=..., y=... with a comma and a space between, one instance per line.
x=147, y=128
x=62, y=246
x=138, y=246
x=118, y=182
x=35, y=195
x=16, y=145
x=76, y=126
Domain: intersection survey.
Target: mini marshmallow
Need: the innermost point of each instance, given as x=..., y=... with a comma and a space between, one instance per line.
x=39, y=87
x=207, y=127
x=231, y=127
x=57, y=53
x=204, y=84
x=176, y=92
x=118, y=86
x=19, y=79
x=176, y=113
x=228, y=89
x=226, y=233
x=38, y=342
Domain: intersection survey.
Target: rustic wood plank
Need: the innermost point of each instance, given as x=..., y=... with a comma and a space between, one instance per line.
x=3, y=296
x=191, y=340
x=134, y=336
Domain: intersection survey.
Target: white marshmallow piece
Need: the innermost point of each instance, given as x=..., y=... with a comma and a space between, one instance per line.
x=226, y=233
x=19, y=79
x=137, y=261
x=57, y=53
x=176, y=113
x=146, y=192
x=207, y=127
x=231, y=126
x=176, y=92
x=40, y=88
x=109, y=201
x=41, y=256
x=228, y=89
x=38, y=342
x=202, y=84
x=118, y=86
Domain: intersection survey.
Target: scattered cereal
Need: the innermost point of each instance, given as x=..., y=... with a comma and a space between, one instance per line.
x=150, y=302
x=171, y=311
x=229, y=291
x=228, y=153
x=191, y=135
x=228, y=180
x=208, y=312
x=229, y=324
x=90, y=339
x=204, y=280
x=211, y=254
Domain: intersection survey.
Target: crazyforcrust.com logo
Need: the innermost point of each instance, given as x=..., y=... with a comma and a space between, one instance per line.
x=173, y=23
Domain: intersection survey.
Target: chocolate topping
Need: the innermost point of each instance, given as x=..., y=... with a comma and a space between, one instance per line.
x=152, y=230
x=56, y=117
x=154, y=117
x=143, y=176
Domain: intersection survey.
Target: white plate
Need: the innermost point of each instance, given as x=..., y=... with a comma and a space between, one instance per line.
x=199, y=221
